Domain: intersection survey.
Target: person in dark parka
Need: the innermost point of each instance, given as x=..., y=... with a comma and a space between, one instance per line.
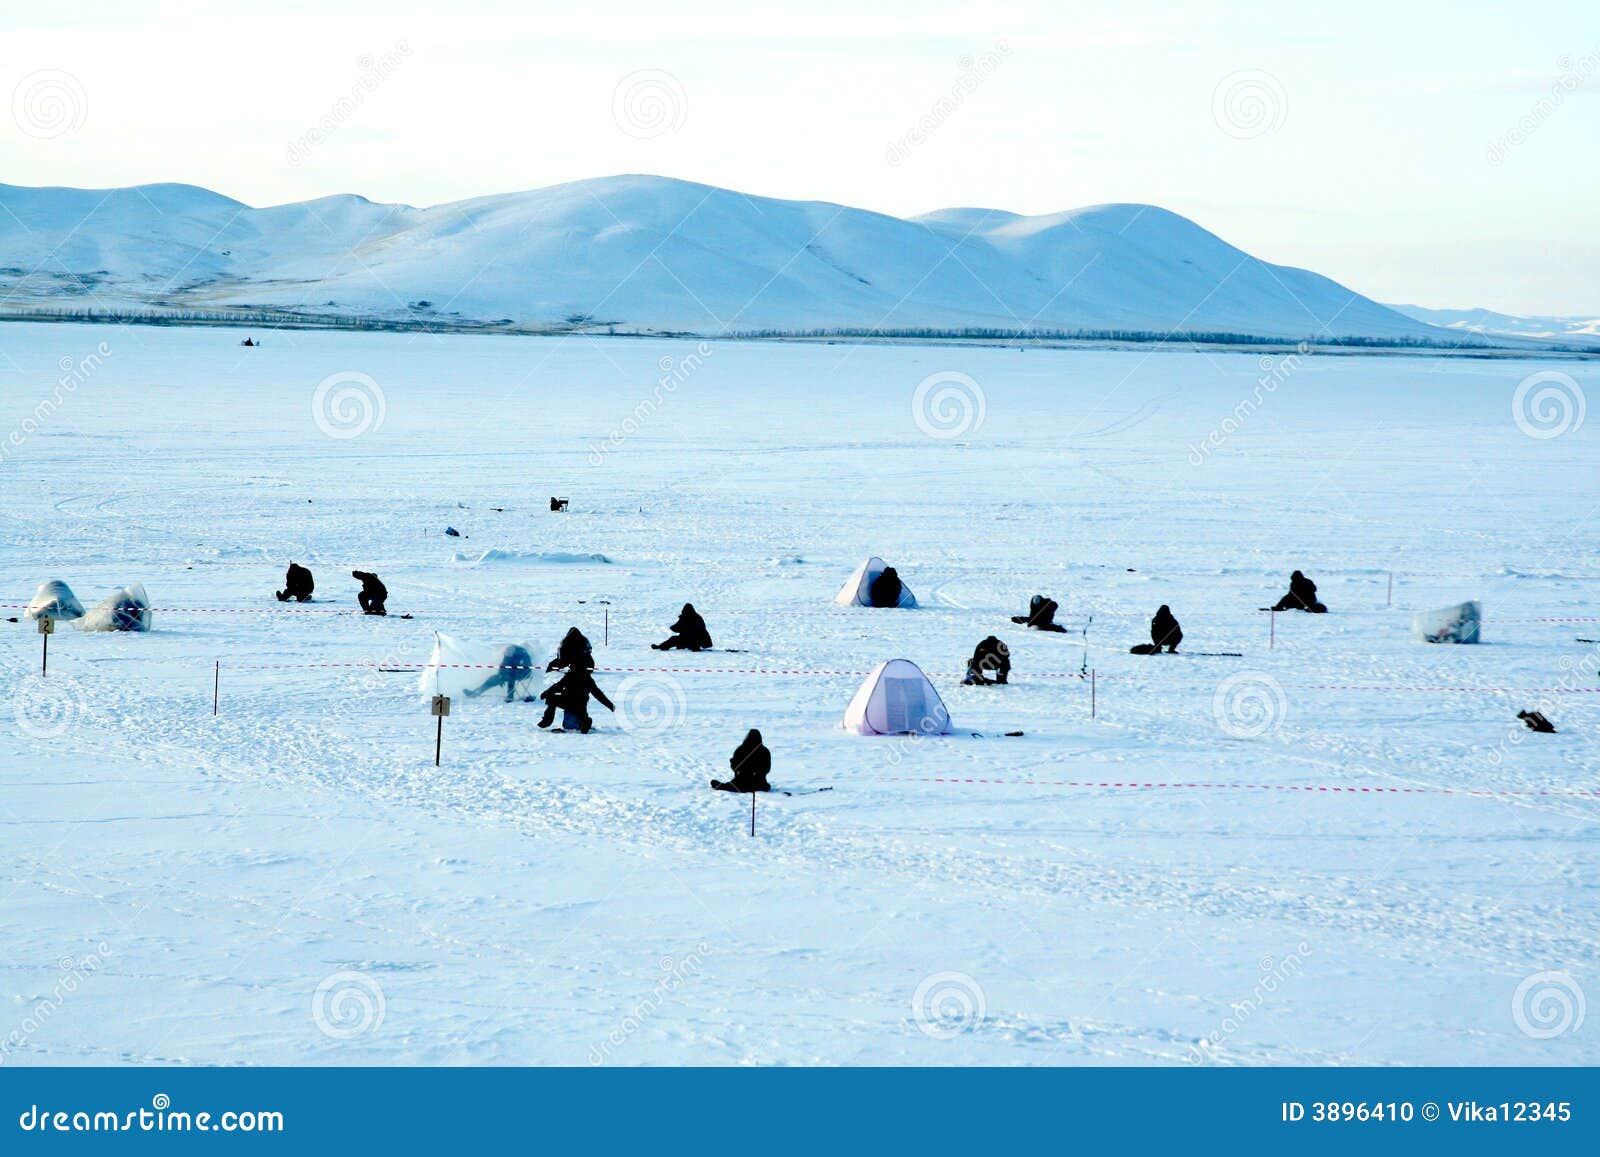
x=1537, y=722
x=516, y=664
x=689, y=633
x=990, y=657
x=1041, y=615
x=574, y=652
x=751, y=763
x=571, y=693
x=1302, y=596
x=1165, y=631
x=297, y=584
x=373, y=593
x=885, y=589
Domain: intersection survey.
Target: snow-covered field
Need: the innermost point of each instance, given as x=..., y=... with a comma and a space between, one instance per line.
x=292, y=880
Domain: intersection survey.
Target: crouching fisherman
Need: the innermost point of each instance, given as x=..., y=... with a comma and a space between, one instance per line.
x=297, y=584
x=1302, y=596
x=689, y=633
x=990, y=657
x=571, y=694
x=373, y=593
x=886, y=589
x=1165, y=631
x=1041, y=615
x=751, y=763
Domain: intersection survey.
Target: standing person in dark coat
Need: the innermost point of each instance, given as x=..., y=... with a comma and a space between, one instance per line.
x=990, y=657
x=574, y=653
x=688, y=633
x=297, y=584
x=1302, y=596
x=1041, y=615
x=885, y=589
x=1164, y=630
x=571, y=693
x=751, y=763
x=373, y=593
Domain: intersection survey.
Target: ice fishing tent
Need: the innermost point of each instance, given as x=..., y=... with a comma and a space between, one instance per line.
x=857, y=590
x=501, y=672
x=124, y=610
x=1457, y=624
x=897, y=699
x=55, y=600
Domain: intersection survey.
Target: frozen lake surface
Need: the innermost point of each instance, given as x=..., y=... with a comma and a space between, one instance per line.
x=293, y=881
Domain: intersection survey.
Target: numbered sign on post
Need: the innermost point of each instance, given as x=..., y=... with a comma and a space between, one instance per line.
x=47, y=627
x=440, y=708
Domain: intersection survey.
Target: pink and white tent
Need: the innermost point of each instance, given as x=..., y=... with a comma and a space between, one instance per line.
x=857, y=590
x=897, y=699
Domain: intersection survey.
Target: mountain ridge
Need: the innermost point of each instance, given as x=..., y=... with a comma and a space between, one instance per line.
x=654, y=254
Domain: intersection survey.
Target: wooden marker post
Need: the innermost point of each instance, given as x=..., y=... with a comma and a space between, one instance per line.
x=216, y=685
x=47, y=627
x=440, y=708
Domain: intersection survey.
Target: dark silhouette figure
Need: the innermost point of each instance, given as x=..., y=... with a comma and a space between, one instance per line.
x=1537, y=722
x=751, y=763
x=373, y=593
x=574, y=653
x=571, y=693
x=688, y=633
x=297, y=584
x=1165, y=631
x=1041, y=615
x=249, y=341
x=516, y=664
x=990, y=657
x=558, y=503
x=885, y=589
x=1302, y=596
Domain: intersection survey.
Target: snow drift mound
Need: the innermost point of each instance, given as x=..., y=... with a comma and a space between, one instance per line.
x=497, y=557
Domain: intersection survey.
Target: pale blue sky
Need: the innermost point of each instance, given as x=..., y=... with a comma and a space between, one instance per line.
x=1372, y=163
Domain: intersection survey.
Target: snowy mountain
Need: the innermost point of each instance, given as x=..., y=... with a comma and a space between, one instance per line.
x=641, y=253
x=1583, y=331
